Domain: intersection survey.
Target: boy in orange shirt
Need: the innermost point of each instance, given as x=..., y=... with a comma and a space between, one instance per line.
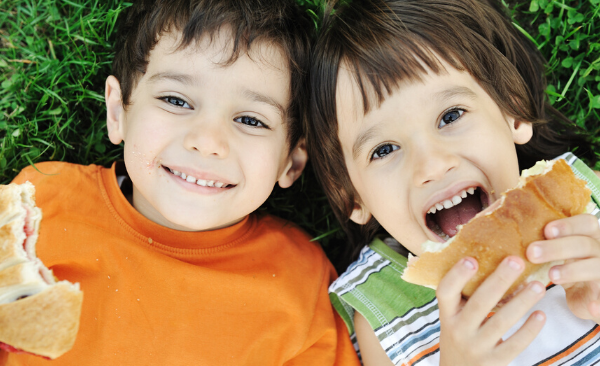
x=175, y=265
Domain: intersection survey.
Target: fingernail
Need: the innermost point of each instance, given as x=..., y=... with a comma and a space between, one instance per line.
x=467, y=263
x=554, y=275
x=554, y=231
x=514, y=264
x=537, y=288
x=536, y=252
x=539, y=317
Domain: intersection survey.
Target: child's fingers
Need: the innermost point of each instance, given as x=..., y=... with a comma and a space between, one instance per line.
x=450, y=288
x=571, y=247
x=584, y=224
x=512, y=311
x=493, y=288
x=517, y=343
x=577, y=271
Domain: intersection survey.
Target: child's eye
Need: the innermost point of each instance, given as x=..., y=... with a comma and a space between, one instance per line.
x=383, y=150
x=450, y=117
x=251, y=121
x=177, y=102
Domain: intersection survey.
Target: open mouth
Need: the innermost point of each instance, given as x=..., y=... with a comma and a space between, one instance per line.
x=200, y=182
x=445, y=218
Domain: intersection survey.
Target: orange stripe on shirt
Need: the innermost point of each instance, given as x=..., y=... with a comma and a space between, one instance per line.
x=572, y=348
x=422, y=354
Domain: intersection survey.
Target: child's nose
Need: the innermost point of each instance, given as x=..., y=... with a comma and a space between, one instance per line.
x=431, y=162
x=209, y=139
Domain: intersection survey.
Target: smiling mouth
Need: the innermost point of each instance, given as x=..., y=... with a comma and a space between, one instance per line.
x=445, y=218
x=200, y=182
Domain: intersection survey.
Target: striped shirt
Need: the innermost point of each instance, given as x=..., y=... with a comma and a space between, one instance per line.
x=405, y=317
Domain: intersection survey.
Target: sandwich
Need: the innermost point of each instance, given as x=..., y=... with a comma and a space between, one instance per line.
x=546, y=192
x=38, y=314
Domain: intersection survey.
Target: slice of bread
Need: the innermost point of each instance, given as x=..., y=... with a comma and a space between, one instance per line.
x=549, y=191
x=37, y=314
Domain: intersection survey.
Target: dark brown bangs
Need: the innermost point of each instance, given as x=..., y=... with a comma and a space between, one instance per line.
x=386, y=43
x=377, y=82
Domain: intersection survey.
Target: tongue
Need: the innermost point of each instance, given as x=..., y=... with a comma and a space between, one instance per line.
x=448, y=219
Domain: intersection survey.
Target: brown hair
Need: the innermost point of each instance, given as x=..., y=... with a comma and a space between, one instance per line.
x=278, y=22
x=386, y=41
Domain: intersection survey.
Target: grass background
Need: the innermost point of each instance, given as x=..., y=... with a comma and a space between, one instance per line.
x=56, y=54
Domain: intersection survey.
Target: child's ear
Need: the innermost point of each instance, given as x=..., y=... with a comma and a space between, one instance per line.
x=521, y=131
x=296, y=163
x=114, y=110
x=360, y=214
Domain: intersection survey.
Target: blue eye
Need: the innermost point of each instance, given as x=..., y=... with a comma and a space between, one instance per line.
x=451, y=116
x=177, y=102
x=250, y=121
x=383, y=150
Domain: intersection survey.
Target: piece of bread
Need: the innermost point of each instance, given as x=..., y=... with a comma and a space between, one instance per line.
x=44, y=324
x=37, y=314
x=549, y=191
x=18, y=214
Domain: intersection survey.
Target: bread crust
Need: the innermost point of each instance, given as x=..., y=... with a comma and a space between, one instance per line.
x=37, y=315
x=45, y=324
x=507, y=230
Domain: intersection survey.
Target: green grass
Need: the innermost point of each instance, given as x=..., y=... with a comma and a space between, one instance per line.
x=568, y=35
x=56, y=54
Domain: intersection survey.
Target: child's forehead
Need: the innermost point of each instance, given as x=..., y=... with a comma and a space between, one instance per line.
x=219, y=48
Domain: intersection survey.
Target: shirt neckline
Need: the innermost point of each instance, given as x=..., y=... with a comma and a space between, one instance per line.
x=162, y=237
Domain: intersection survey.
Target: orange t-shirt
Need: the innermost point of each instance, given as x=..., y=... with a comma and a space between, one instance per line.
x=254, y=293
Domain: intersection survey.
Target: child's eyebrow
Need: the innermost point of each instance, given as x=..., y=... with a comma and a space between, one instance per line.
x=457, y=91
x=180, y=78
x=261, y=98
x=191, y=81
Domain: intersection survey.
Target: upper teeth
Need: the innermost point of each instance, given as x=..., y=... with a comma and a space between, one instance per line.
x=452, y=201
x=200, y=182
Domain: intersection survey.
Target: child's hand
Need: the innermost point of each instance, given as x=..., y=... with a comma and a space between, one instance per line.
x=575, y=240
x=467, y=336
